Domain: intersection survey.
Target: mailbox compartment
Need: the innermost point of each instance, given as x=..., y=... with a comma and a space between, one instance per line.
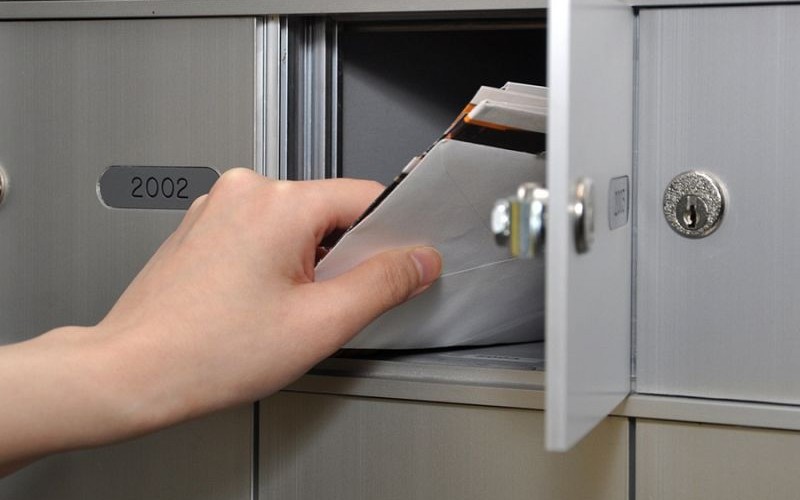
x=401, y=84
x=387, y=87
x=344, y=447
x=717, y=316
x=370, y=93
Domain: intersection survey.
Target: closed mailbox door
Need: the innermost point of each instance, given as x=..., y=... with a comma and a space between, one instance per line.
x=588, y=295
x=718, y=316
x=78, y=97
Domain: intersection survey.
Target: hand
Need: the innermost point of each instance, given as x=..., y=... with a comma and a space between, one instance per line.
x=227, y=311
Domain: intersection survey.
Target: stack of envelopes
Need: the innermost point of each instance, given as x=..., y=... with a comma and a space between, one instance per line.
x=444, y=198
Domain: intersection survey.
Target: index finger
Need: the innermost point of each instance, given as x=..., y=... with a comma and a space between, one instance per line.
x=338, y=203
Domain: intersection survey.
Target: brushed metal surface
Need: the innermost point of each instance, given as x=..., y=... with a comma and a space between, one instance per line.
x=718, y=317
x=308, y=85
x=590, y=80
x=207, y=459
x=450, y=386
x=171, y=8
x=708, y=462
x=334, y=447
x=711, y=411
x=685, y=3
x=77, y=97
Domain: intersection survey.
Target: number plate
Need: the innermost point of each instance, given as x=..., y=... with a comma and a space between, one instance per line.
x=163, y=188
x=618, y=202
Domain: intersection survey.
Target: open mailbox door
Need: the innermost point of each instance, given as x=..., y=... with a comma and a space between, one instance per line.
x=588, y=292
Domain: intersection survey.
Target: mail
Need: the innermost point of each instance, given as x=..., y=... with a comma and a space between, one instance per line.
x=443, y=198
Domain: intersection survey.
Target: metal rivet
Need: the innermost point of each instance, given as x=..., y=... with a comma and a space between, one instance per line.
x=693, y=204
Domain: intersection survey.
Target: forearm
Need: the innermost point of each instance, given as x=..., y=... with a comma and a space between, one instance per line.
x=57, y=393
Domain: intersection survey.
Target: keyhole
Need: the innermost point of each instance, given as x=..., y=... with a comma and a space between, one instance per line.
x=690, y=215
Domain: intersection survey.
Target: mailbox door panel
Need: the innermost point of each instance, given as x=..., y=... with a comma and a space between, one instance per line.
x=78, y=97
x=590, y=76
x=718, y=316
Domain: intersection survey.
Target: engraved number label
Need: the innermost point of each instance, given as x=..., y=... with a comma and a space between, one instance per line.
x=153, y=187
x=618, y=202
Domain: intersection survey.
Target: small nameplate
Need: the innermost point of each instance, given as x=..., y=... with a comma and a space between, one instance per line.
x=161, y=188
x=618, y=202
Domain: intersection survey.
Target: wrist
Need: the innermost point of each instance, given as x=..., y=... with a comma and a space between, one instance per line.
x=137, y=396
x=95, y=404
x=57, y=396
x=103, y=391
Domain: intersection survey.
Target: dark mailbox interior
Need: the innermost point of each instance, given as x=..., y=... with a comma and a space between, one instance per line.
x=401, y=83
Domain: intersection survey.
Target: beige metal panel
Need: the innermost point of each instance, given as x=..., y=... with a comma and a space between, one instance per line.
x=78, y=96
x=334, y=447
x=207, y=459
x=434, y=391
x=683, y=409
x=711, y=411
x=183, y=8
x=708, y=462
x=718, y=317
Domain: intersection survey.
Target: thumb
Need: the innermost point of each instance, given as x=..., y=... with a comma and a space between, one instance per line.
x=378, y=284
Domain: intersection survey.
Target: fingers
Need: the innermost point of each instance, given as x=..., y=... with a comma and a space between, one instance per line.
x=321, y=205
x=337, y=203
x=354, y=299
x=193, y=213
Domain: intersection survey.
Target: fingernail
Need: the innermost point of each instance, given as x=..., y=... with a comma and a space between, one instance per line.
x=428, y=262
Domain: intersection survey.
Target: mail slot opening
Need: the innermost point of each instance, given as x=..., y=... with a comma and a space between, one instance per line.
x=400, y=85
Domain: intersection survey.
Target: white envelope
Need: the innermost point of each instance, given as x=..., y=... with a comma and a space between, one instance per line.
x=483, y=296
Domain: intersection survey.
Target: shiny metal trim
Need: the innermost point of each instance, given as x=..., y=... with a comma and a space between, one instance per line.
x=93, y=9
x=272, y=100
x=528, y=217
x=501, y=221
x=259, y=93
x=308, y=80
x=334, y=95
x=3, y=185
x=520, y=221
x=283, y=151
x=583, y=215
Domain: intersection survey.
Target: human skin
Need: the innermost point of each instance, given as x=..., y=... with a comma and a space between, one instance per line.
x=226, y=312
